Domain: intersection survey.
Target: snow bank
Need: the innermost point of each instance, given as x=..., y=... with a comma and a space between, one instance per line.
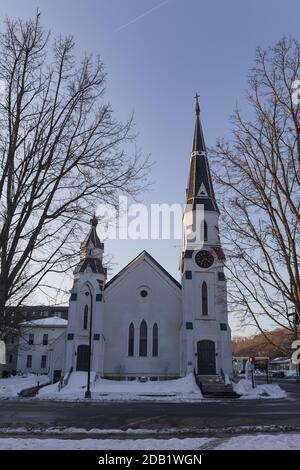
x=102, y=444
x=290, y=441
x=12, y=386
x=244, y=388
x=287, y=441
x=119, y=390
x=76, y=386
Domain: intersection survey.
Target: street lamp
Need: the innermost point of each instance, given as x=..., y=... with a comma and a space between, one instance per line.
x=88, y=391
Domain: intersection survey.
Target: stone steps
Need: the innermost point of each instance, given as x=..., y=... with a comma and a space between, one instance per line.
x=214, y=386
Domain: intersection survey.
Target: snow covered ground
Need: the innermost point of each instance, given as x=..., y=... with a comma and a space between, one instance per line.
x=12, y=386
x=244, y=388
x=245, y=442
x=184, y=389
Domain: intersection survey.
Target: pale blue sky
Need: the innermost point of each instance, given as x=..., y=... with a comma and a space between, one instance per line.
x=156, y=64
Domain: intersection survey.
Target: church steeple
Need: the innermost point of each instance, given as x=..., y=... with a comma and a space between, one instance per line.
x=91, y=251
x=91, y=241
x=200, y=187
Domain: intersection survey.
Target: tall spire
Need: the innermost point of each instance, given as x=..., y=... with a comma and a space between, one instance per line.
x=198, y=139
x=200, y=188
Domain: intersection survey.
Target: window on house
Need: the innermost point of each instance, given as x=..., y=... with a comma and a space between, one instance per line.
x=10, y=358
x=204, y=299
x=43, y=362
x=155, y=340
x=45, y=339
x=85, y=317
x=29, y=361
x=31, y=339
x=143, y=339
x=131, y=340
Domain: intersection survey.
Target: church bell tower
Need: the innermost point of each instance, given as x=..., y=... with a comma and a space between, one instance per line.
x=206, y=336
x=85, y=333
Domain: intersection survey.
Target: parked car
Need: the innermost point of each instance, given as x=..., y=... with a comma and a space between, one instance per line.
x=277, y=374
x=143, y=379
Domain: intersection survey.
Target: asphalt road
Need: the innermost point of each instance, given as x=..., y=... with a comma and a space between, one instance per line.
x=192, y=417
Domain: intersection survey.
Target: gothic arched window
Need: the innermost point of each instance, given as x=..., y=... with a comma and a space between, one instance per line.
x=143, y=338
x=85, y=317
x=155, y=340
x=205, y=231
x=204, y=299
x=131, y=340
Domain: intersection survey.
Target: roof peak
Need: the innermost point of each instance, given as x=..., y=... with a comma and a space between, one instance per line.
x=142, y=255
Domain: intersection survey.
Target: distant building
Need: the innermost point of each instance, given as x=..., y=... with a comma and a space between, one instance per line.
x=41, y=346
x=282, y=364
x=18, y=315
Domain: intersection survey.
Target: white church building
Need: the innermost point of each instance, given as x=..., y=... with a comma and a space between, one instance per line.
x=143, y=322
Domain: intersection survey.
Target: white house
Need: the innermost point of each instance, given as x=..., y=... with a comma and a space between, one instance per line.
x=42, y=346
x=143, y=322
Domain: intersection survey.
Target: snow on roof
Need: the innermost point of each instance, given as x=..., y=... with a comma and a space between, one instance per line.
x=49, y=321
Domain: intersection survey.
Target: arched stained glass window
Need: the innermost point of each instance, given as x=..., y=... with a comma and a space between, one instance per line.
x=131, y=340
x=143, y=338
x=155, y=340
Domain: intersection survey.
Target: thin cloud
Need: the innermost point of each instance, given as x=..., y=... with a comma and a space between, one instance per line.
x=142, y=15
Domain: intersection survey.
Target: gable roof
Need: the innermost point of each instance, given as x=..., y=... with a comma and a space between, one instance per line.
x=144, y=254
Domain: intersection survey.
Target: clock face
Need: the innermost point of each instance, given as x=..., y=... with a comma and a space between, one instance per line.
x=204, y=259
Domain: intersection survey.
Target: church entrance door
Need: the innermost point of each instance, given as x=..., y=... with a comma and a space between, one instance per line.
x=82, y=357
x=206, y=357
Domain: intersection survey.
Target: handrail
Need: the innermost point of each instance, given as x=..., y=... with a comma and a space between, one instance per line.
x=64, y=381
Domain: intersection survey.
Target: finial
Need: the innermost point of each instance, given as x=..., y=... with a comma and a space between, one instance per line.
x=197, y=107
x=94, y=221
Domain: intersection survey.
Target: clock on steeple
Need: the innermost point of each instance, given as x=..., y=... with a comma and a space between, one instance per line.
x=204, y=259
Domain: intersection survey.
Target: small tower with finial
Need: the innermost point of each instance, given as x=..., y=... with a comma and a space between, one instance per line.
x=86, y=308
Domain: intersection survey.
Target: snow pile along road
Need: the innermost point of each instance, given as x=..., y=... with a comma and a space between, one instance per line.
x=75, y=388
x=183, y=389
x=244, y=388
x=12, y=386
x=247, y=442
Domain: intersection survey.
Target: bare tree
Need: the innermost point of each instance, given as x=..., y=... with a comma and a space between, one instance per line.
x=258, y=174
x=61, y=154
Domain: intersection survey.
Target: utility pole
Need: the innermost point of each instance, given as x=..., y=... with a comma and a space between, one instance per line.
x=88, y=391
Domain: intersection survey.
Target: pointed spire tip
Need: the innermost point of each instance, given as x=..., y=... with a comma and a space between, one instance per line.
x=94, y=221
x=197, y=106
